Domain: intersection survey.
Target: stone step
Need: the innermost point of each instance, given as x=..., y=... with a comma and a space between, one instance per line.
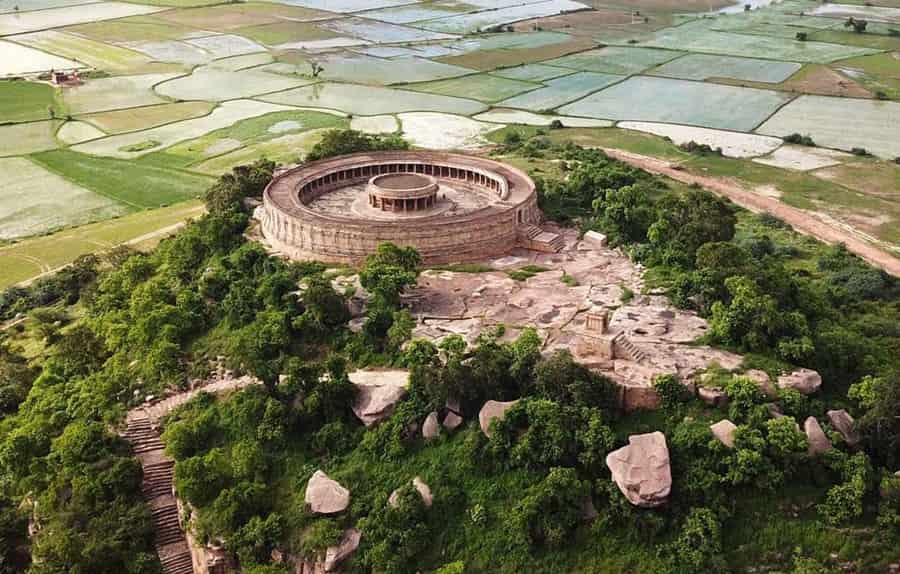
x=178, y=564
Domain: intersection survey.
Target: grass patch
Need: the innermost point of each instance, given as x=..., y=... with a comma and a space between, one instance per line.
x=464, y=268
x=568, y=280
x=132, y=183
x=527, y=272
x=145, y=145
x=121, y=121
x=28, y=101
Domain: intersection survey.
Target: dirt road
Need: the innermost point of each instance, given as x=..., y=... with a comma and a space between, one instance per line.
x=802, y=221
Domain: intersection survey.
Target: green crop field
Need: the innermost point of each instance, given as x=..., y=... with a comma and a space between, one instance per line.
x=841, y=123
x=616, y=60
x=704, y=66
x=697, y=37
x=120, y=121
x=878, y=73
x=483, y=87
x=251, y=131
x=137, y=185
x=26, y=259
x=35, y=201
x=664, y=100
x=372, y=100
x=561, y=90
x=21, y=139
x=28, y=101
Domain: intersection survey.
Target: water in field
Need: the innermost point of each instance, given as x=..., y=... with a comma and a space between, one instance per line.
x=741, y=6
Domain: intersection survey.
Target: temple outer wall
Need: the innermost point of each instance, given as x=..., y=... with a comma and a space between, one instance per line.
x=301, y=233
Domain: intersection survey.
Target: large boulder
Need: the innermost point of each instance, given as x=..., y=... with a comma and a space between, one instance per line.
x=424, y=492
x=325, y=495
x=818, y=442
x=431, y=428
x=378, y=393
x=490, y=411
x=724, y=431
x=844, y=424
x=641, y=470
x=806, y=381
x=334, y=555
x=452, y=421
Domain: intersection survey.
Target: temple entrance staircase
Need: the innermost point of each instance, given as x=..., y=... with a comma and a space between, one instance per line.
x=535, y=238
x=171, y=544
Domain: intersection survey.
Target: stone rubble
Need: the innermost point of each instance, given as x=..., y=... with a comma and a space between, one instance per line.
x=325, y=495
x=431, y=429
x=379, y=391
x=805, y=381
x=334, y=555
x=419, y=485
x=818, y=442
x=452, y=421
x=844, y=424
x=641, y=469
x=490, y=411
x=724, y=431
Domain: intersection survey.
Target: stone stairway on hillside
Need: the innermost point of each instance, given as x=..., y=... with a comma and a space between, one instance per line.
x=629, y=349
x=533, y=237
x=171, y=544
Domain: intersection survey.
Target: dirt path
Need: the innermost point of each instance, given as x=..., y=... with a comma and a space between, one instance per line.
x=802, y=221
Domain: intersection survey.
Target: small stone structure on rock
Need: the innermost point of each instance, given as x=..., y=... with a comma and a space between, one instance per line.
x=490, y=411
x=805, y=381
x=431, y=429
x=845, y=425
x=325, y=495
x=597, y=240
x=641, y=469
x=334, y=555
x=379, y=392
x=724, y=431
x=419, y=485
x=818, y=442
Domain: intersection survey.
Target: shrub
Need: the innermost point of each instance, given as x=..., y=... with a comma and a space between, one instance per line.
x=550, y=510
x=698, y=547
x=860, y=151
x=799, y=139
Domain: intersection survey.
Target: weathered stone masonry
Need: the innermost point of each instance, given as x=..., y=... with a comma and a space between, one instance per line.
x=292, y=227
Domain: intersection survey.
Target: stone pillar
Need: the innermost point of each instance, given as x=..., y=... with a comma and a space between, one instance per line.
x=597, y=322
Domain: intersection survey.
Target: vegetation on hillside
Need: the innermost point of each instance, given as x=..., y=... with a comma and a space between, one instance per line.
x=119, y=327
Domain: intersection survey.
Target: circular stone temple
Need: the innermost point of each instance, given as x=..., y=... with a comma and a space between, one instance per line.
x=450, y=207
x=403, y=191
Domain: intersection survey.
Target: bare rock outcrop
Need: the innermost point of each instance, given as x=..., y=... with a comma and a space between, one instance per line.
x=452, y=421
x=641, y=470
x=818, y=442
x=424, y=492
x=490, y=411
x=724, y=431
x=431, y=429
x=379, y=392
x=334, y=555
x=845, y=425
x=325, y=495
x=805, y=381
